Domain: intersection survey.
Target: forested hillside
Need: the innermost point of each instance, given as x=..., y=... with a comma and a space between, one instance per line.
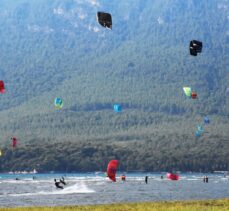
x=56, y=48
x=163, y=153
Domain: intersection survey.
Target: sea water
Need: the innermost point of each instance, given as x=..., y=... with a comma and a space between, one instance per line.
x=96, y=188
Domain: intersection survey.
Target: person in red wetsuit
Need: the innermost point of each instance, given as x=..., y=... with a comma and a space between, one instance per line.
x=14, y=142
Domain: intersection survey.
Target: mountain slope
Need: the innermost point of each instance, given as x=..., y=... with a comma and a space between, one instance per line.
x=56, y=48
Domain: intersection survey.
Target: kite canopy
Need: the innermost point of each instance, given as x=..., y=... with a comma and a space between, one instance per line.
x=58, y=102
x=2, y=87
x=172, y=176
x=14, y=142
x=200, y=128
x=112, y=169
x=187, y=91
x=198, y=134
x=195, y=47
x=104, y=19
x=117, y=108
x=194, y=95
x=206, y=120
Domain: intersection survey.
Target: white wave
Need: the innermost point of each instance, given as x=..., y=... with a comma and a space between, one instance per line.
x=193, y=179
x=76, y=188
x=70, y=179
x=22, y=181
x=86, y=178
x=15, y=181
x=224, y=178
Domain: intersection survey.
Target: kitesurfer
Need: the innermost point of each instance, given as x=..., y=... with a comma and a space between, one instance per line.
x=14, y=142
x=146, y=179
x=62, y=181
x=123, y=177
x=205, y=179
x=162, y=177
x=57, y=184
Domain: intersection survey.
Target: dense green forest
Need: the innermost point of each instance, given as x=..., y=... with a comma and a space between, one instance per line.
x=150, y=155
x=55, y=48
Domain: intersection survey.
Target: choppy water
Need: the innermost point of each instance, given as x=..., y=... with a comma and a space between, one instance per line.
x=95, y=188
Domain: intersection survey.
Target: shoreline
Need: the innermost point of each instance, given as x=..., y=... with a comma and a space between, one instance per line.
x=212, y=204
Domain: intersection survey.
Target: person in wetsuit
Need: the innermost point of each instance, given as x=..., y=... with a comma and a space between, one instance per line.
x=57, y=184
x=146, y=179
x=62, y=181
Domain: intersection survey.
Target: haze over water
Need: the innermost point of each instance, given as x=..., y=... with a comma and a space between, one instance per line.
x=95, y=188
